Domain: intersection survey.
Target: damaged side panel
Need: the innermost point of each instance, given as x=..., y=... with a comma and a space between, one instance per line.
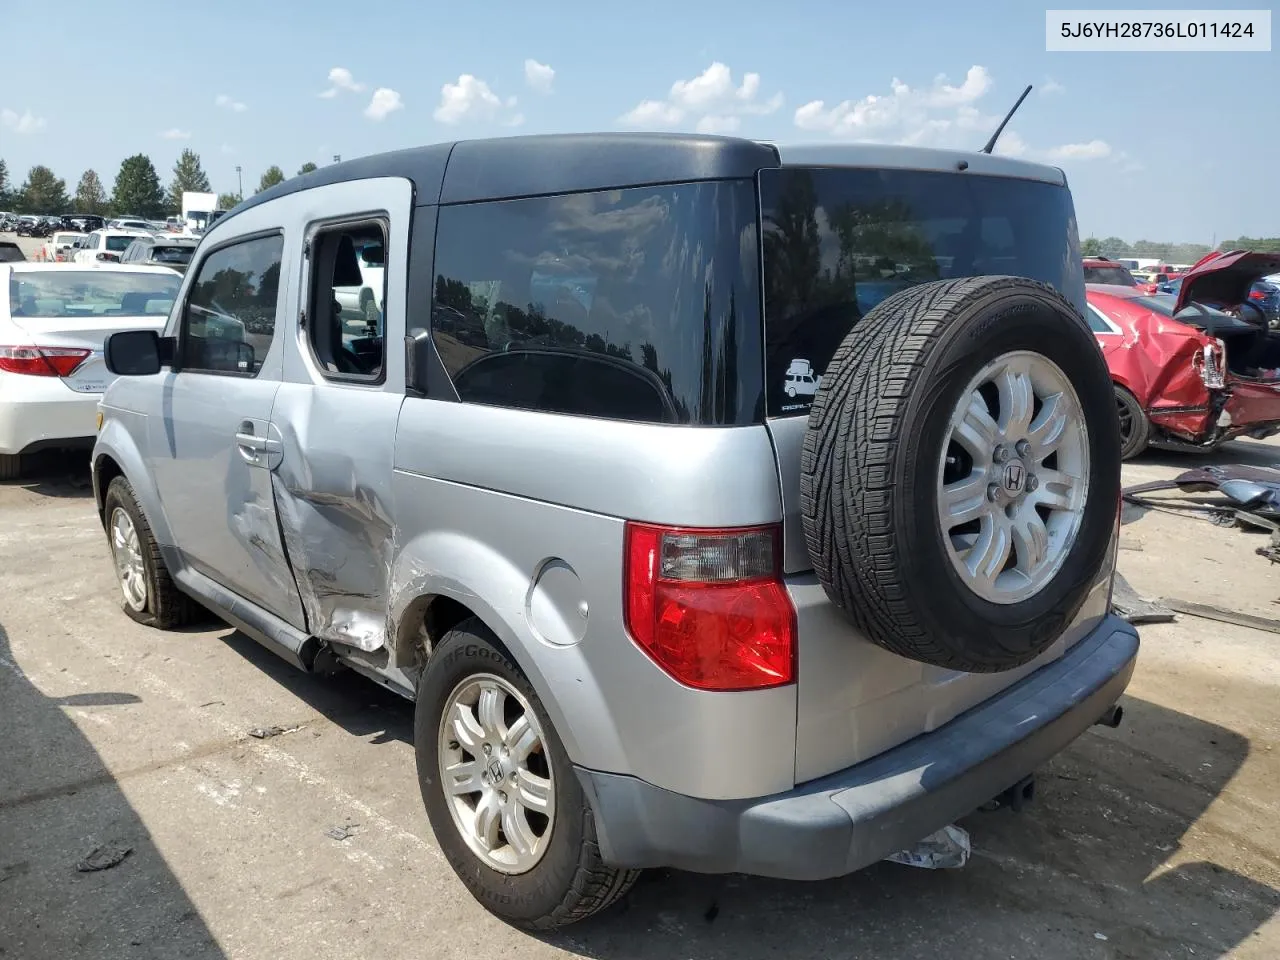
x=332, y=490
x=1161, y=372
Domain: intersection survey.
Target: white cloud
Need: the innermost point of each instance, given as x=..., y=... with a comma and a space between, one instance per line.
x=472, y=99
x=539, y=76
x=228, y=103
x=710, y=102
x=1051, y=86
x=25, y=122
x=904, y=114
x=173, y=133
x=340, y=78
x=385, y=101
x=941, y=115
x=1092, y=150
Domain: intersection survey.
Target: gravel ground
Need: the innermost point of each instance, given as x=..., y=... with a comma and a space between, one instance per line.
x=1160, y=839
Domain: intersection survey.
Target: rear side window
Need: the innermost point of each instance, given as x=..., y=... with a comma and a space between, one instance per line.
x=348, y=296
x=838, y=241
x=118, y=244
x=638, y=304
x=230, y=315
x=1117, y=276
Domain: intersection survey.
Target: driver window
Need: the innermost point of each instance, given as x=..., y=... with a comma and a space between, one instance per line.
x=230, y=316
x=345, y=318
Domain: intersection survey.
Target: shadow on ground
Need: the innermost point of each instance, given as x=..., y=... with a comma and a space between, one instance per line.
x=58, y=802
x=55, y=473
x=1250, y=452
x=1085, y=859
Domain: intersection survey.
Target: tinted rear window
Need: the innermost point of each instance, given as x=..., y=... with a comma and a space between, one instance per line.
x=172, y=254
x=638, y=304
x=838, y=241
x=117, y=244
x=1118, y=276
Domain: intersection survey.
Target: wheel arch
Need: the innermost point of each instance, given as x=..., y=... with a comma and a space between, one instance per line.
x=441, y=578
x=115, y=454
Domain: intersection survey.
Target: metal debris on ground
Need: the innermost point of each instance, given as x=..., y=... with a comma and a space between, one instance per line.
x=103, y=857
x=947, y=849
x=263, y=733
x=1126, y=603
x=342, y=833
x=1208, y=611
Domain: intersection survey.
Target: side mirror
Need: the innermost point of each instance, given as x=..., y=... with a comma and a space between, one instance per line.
x=137, y=353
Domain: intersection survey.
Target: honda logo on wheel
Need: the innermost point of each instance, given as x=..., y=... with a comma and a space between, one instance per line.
x=1014, y=477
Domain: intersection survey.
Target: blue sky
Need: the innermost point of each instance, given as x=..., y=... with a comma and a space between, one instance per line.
x=1158, y=146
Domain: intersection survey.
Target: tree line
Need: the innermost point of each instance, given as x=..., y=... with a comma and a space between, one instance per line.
x=137, y=190
x=1114, y=248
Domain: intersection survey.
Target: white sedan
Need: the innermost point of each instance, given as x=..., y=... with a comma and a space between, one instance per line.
x=52, y=328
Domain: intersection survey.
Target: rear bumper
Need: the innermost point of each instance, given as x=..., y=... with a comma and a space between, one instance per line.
x=850, y=819
x=40, y=412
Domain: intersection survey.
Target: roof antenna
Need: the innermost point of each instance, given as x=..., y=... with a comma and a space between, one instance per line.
x=991, y=144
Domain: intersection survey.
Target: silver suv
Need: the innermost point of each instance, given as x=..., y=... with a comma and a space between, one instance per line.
x=721, y=506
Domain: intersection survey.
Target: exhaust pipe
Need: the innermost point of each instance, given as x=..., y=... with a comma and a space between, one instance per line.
x=1112, y=717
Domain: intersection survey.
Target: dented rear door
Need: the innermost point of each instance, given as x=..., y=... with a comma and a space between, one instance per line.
x=332, y=487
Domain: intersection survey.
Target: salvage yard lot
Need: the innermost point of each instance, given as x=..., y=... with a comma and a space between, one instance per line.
x=1159, y=839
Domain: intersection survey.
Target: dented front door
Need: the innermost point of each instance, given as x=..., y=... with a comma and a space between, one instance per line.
x=333, y=485
x=211, y=448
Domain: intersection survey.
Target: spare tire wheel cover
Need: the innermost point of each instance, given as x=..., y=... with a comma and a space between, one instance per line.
x=960, y=474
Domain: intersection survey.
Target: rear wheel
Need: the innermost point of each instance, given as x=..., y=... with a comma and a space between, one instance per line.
x=502, y=797
x=10, y=466
x=1135, y=428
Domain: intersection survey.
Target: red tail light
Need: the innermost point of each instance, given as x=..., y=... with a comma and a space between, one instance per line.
x=1257, y=295
x=109, y=257
x=42, y=361
x=709, y=606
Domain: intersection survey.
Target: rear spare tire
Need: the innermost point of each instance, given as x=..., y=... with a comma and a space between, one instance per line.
x=961, y=472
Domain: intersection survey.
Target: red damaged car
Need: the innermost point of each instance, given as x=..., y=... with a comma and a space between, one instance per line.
x=1195, y=368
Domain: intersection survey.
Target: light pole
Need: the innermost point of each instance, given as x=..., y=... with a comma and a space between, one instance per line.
x=239, y=182
x=337, y=158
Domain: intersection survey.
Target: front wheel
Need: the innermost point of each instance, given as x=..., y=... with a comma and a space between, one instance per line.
x=148, y=593
x=502, y=797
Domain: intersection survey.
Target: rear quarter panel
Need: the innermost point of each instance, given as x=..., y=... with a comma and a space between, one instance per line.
x=521, y=518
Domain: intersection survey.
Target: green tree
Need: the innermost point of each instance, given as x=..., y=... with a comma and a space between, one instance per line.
x=188, y=175
x=4, y=184
x=90, y=197
x=228, y=200
x=1256, y=244
x=307, y=167
x=1114, y=247
x=1091, y=247
x=137, y=189
x=269, y=179
x=43, y=192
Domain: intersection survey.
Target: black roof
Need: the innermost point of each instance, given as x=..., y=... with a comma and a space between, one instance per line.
x=508, y=167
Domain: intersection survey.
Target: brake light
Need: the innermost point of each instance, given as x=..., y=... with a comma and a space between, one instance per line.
x=1257, y=295
x=1211, y=364
x=42, y=361
x=109, y=257
x=709, y=606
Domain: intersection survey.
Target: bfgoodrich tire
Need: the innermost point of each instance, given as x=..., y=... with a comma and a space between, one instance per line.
x=502, y=797
x=961, y=472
